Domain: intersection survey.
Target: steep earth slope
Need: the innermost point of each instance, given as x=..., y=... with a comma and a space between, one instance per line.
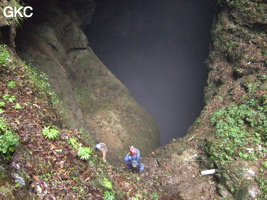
x=51, y=161
x=92, y=98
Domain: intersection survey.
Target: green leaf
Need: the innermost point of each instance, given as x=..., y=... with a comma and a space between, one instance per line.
x=84, y=153
x=17, y=106
x=50, y=133
x=12, y=84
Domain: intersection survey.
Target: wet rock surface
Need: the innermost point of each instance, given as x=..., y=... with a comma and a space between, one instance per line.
x=93, y=99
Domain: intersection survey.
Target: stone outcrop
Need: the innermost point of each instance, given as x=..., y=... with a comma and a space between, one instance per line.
x=93, y=99
x=237, y=63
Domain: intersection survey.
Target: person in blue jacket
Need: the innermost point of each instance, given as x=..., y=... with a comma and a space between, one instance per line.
x=133, y=159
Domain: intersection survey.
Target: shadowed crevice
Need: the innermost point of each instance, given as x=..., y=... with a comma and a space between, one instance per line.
x=157, y=49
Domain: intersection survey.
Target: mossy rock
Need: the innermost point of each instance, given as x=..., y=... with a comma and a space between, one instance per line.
x=247, y=191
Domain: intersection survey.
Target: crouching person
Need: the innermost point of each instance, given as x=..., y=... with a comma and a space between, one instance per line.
x=103, y=148
x=134, y=160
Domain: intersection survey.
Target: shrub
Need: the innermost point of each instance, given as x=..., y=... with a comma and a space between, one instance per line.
x=40, y=80
x=107, y=183
x=8, y=140
x=4, y=56
x=12, y=84
x=73, y=142
x=9, y=98
x=2, y=103
x=17, y=106
x=84, y=153
x=50, y=133
x=109, y=195
x=239, y=127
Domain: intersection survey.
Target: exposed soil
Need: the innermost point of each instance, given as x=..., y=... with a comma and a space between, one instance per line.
x=51, y=168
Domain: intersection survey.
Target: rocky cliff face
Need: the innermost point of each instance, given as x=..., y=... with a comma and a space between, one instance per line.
x=92, y=98
x=229, y=135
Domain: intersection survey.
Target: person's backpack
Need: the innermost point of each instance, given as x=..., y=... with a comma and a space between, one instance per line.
x=135, y=164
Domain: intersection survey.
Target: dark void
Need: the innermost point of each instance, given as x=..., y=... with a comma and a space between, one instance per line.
x=157, y=48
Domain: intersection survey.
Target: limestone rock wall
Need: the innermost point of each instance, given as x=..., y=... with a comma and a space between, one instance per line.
x=237, y=73
x=93, y=99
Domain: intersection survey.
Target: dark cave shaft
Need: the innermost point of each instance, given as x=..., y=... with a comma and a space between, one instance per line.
x=157, y=49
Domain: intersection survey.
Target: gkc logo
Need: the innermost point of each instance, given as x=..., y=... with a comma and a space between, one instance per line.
x=21, y=11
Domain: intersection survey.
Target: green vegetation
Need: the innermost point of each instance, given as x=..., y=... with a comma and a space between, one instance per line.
x=109, y=195
x=73, y=142
x=137, y=196
x=2, y=104
x=84, y=153
x=9, y=98
x=237, y=128
x=12, y=84
x=241, y=134
x=41, y=84
x=38, y=79
x=50, y=133
x=17, y=20
x=154, y=195
x=46, y=176
x=8, y=140
x=234, y=4
x=4, y=56
x=17, y=106
x=28, y=105
x=263, y=185
x=107, y=183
